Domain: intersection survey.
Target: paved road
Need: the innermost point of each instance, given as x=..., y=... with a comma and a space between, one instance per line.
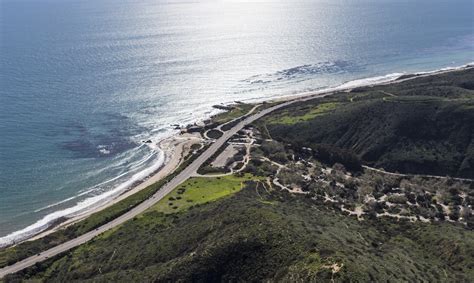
x=181, y=177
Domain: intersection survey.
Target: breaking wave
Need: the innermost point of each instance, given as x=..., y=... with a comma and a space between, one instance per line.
x=303, y=72
x=83, y=206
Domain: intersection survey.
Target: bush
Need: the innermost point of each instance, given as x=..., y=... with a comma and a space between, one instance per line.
x=214, y=134
x=399, y=199
x=331, y=155
x=212, y=170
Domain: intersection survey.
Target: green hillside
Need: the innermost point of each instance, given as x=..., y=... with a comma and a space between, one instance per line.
x=424, y=126
x=298, y=206
x=254, y=236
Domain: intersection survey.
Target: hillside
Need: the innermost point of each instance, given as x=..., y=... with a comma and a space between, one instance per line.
x=255, y=235
x=422, y=126
x=287, y=199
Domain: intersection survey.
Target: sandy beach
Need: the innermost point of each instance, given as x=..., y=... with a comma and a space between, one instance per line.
x=368, y=82
x=175, y=148
x=178, y=146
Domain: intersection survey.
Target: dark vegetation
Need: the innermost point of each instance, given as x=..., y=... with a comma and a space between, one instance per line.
x=23, y=250
x=231, y=124
x=264, y=233
x=421, y=126
x=214, y=134
x=231, y=112
x=275, y=151
x=260, y=168
x=257, y=236
x=212, y=170
x=331, y=155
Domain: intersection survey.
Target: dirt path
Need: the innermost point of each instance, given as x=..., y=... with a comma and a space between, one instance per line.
x=181, y=177
x=166, y=189
x=388, y=93
x=415, y=175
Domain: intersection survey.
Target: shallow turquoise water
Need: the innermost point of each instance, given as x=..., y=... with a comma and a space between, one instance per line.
x=84, y=82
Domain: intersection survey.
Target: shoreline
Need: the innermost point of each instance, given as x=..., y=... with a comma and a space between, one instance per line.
x=370, y=82
x=175, y=148
x=178, y=145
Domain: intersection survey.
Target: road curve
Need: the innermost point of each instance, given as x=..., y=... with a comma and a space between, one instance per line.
x=160, y=194
x=181, y=177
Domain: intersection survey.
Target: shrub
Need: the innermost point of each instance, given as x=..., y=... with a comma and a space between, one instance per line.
x=331, y=155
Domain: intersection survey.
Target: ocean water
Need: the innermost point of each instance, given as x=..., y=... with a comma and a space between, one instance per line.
x=83, y=83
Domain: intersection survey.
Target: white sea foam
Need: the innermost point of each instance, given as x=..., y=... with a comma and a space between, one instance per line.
x=452, y=68
x=95, y=187
x=363, y=82
x=80, y=208
x=345, y=86
x=369, y=81
x=87, y=204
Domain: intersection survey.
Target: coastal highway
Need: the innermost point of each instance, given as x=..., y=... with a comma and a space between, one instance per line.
x=160, y=194
x=184, y=175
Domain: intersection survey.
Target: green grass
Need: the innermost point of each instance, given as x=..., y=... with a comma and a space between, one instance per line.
x=199, y=190
x=239, y=238
x=414, y=99
x=287, y=119
x=469, y=104
x=423, y=129
x=311, y=265
x=25, y=249
x=359, y=96
x=225, y=233
x=16, y=253
x=238, y=111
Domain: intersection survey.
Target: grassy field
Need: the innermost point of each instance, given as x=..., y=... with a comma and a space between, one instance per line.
x=199, y=190
x=242, y=238
x=16, y=253
x=233, y=229
x=302, y=115
x=13, y=254
x=424, y=126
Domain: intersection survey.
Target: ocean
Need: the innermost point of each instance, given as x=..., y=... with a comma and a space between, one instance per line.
x=83, y=83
